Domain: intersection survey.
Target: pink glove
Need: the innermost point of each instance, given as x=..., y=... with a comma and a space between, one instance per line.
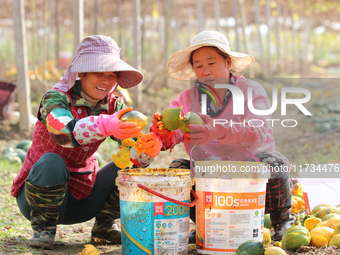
x=166, y=136
x=231, y=135
x=150, y=144
x=112, y=125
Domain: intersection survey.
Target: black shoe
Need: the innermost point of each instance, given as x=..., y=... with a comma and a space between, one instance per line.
x=280, y=229
x=110, y=236
x=192, y=237
x=102, y=235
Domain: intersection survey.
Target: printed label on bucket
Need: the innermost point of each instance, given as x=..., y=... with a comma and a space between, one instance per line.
x=154, y=227
x=226, y=220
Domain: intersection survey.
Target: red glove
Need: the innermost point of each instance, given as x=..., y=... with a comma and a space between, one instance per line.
x=231, y=135
x=112, y=125
x=166, y=136
x=150, y=144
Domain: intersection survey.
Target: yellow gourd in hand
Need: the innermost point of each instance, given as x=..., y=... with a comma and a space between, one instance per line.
x=122, y=158
x=171, y=118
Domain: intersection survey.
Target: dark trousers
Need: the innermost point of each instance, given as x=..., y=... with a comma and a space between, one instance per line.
x=51, y=170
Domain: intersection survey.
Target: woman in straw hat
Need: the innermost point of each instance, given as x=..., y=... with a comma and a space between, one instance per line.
x=209, y=61
x=59, y=182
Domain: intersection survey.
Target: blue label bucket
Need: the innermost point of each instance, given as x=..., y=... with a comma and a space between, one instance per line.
x=155, y=210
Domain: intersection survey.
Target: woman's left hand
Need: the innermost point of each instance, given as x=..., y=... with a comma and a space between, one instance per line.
x=202, y=134
x=227, y=134
x=150, y=144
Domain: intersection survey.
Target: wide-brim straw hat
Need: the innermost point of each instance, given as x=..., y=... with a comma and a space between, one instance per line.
x=99, y=53
x=179, y=65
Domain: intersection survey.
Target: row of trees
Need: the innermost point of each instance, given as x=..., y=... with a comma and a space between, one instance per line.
x=254, y=26
x=283, y=36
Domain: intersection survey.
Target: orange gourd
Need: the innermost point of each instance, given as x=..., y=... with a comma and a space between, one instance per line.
x=89, y=250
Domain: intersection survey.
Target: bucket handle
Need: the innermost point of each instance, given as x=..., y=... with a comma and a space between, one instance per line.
x=192, y=204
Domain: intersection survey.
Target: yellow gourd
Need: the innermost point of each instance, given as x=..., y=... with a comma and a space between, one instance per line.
x=297, y=190
x=311, y=222
x=122, y=158
x=135, y=116
x=327, y=210
x=321, y=236
x=335, y=241
x=89, y=250
x=328, y=216
x=320, y=224
x=336, y=230
x=278, y=244
x=274, y=251
x=171, y=118
x=334, y=221
x=298, y=204
x=189, y=118
x=266, y=240
x=318, y=208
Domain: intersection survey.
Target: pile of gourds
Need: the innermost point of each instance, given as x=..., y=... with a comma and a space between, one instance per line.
x=17, y=154
x=319, y=229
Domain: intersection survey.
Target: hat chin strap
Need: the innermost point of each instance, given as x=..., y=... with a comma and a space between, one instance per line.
x=114, y=87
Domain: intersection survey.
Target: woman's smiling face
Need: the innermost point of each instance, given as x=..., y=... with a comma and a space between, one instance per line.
x=98, y=85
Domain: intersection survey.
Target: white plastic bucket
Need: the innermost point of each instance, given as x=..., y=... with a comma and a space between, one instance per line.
x=151, y=224
x=230, y=210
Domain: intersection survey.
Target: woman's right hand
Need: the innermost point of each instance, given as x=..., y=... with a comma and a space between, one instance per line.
x=112, y=125
x=166, y=136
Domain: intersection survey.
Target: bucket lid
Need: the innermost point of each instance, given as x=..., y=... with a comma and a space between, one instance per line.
x=155, y=172
x=155, y=177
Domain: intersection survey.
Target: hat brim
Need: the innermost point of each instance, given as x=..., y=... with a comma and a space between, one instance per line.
x=128, y=76
x=180, y=68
